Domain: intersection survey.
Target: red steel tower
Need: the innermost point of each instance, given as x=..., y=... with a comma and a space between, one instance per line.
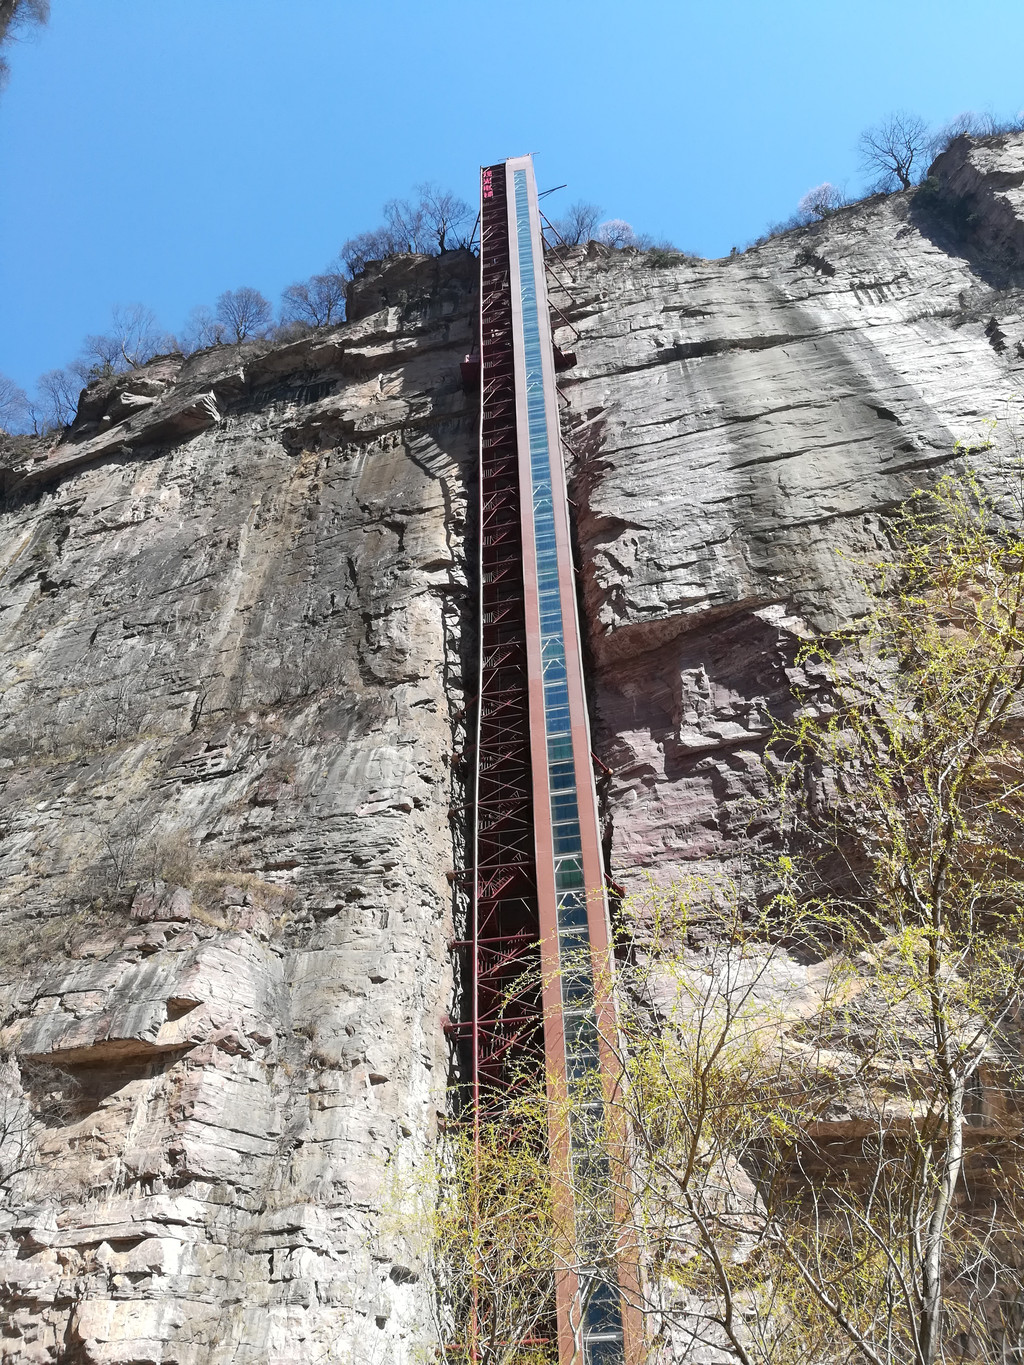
x=539, y=940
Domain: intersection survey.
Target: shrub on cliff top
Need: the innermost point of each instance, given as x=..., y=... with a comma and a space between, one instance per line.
x=436, y=221
x=318, y=301
x=245, y=313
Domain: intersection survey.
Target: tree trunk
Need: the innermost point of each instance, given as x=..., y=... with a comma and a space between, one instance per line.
x=930, y=1334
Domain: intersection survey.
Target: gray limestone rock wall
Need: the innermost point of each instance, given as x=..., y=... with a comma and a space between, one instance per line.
x=231, y=623
x=234, y=626
x=741, y=429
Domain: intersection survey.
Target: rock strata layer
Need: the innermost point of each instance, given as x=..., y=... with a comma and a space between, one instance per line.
x=741, y=430
x=231, y=627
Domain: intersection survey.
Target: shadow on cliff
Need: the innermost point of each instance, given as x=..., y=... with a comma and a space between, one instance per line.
x=963, y=209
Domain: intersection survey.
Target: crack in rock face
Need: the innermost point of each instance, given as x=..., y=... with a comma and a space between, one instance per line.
x=235, y=631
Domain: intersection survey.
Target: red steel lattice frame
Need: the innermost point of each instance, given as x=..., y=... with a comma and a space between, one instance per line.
x=515, y=1026
x=506, y=1010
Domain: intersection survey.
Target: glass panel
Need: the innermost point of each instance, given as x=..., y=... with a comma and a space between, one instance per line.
x=567, y=837
x=603, y=1310
x=568, y=873
x=602, y=1318
x=608, y=1351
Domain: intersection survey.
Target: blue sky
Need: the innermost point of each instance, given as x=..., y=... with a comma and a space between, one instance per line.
x=164, y=150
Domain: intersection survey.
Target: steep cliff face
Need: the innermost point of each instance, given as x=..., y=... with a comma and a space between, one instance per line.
x=231, y=627
x=742, y=427
x=233, y=631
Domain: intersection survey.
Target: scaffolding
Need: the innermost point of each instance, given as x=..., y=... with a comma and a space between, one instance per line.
x=539, y=942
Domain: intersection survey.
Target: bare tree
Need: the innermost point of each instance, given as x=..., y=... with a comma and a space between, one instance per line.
x=58, y=397
x=617, y=232
x=15, y=17
x=244, y=312
x=374, y=245
x=134, y=339
x=319, y=301
x=822, y=201
x=100, y=358
x=202, y=330
x=579, y=224
x=124, y=709
x=13, y=403
x=139, y=335
x=892, y=149
x=445, y=216
x=121, y=843
x=407, y=224
x=34, y=1096
x=437, y=221
x=18, y=1127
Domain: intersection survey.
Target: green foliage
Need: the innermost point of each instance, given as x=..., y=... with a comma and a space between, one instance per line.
x=925, y=810
x=481, y=1215
x=812, y=1147
x=905, y=804
x=902, y=896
